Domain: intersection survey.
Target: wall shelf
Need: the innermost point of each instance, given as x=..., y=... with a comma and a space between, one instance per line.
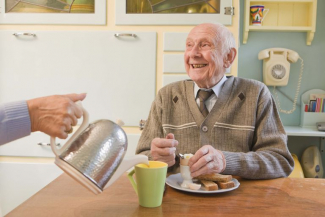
x=284, y=15
x=303, y=131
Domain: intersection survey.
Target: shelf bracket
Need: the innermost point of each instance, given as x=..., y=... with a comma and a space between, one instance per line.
x=310, y=37
x=245, y=37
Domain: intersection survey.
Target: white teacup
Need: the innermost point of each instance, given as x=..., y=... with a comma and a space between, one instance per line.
x=186, y=175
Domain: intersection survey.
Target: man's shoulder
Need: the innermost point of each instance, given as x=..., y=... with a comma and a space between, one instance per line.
x=249, y=83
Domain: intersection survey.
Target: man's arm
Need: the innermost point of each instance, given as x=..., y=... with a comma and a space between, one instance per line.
x=53, y=115
x=153, y=141
x=153, y=129
x=269, y=156
x=14, y=121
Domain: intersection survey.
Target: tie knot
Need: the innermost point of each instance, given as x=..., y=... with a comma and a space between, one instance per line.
x=204, y=95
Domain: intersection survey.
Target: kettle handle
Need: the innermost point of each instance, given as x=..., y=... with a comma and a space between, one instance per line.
x=82, y=127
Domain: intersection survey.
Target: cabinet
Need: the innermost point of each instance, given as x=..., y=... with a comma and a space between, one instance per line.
x=193, y=17
x=283, y=15
x=21, y=180
x=117, y=70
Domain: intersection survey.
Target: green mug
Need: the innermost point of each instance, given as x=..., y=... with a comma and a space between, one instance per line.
x=150, y=182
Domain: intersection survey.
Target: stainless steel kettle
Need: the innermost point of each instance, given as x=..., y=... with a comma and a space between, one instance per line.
x=94, y=154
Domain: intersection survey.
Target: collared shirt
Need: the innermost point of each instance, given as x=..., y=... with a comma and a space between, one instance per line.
x=209, y=103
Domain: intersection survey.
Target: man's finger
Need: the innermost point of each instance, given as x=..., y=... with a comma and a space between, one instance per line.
x=166, y=158
x=200, y=153
x=201, y=171
x=166, y=143
x=166, y=151
x=170, y=136
x=74, y=120
x=202, y=162
x=76, y=97
x=77, y=109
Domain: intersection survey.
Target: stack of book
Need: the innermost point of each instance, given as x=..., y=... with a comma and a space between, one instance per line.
x=316, y=103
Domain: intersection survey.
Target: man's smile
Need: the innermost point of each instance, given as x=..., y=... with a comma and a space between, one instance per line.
x=198, y=65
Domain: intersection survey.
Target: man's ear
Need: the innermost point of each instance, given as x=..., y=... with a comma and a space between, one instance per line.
x=229, y=58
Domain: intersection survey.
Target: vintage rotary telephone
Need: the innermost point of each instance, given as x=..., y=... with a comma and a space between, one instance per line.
x=276, y=69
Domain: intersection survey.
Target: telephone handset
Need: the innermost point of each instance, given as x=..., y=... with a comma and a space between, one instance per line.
x=276, y=69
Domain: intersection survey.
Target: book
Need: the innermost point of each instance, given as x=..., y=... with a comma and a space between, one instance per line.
x=312, y=105
x=306, y=108
x=321, y=102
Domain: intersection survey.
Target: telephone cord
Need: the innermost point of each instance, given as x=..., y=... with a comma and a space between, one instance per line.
x=297, y=92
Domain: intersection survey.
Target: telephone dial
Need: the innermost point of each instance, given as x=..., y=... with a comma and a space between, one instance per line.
x=276, y=69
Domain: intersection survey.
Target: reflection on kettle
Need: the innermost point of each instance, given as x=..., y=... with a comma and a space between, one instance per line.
x=94, y=154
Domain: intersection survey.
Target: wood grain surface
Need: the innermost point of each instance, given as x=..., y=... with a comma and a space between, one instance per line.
x=278, y=197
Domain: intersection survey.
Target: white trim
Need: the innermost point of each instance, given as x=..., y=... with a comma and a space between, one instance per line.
x=97, y=18
x=233, y=128
x=169, y=125
x=179, y=127
x=231, y=125
x=122, y=18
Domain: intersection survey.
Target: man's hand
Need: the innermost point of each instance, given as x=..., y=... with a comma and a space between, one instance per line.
x=55, y=115
x=207, y=160
x=164, y=149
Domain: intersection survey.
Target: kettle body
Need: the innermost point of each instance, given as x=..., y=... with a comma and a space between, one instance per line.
x=94, y=153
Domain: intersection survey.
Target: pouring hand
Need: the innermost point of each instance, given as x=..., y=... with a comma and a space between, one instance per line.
x=164, y=149
x=207, y=160
x=55, y=115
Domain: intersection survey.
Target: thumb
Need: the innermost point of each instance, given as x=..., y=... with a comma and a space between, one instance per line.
x=76, y=97
x=170, y=136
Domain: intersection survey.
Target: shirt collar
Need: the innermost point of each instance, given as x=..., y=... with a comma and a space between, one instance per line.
x=216, y=88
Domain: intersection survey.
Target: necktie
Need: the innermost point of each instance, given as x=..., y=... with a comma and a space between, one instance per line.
x=203, y=96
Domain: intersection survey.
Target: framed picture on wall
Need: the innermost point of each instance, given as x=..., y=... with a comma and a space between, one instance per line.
x=172, y=12
x=79, y=12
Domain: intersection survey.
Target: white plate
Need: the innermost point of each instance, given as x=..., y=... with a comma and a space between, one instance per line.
x=176, y=180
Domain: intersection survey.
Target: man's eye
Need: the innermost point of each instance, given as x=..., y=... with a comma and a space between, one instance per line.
x=205, y=45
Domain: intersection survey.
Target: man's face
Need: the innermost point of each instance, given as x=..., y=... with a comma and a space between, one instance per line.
x=203, y=60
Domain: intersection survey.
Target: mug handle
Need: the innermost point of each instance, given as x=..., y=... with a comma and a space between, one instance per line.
x=264, y=15
x=134, y=185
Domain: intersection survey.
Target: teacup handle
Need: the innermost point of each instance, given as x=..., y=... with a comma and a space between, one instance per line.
x=134, y=185
x=82, y=127
x=264, y=15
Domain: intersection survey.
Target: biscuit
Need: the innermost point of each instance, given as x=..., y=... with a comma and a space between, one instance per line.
x=215, y=177
x=209, y=185
x=225, y=185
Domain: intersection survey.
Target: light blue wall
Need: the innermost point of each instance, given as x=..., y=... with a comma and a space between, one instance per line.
x=313, y=55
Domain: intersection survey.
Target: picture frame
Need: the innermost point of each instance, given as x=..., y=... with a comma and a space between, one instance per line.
x=122, y=18
x=96, y=18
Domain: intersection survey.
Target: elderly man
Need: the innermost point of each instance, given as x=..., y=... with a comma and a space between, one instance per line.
x=230, y=124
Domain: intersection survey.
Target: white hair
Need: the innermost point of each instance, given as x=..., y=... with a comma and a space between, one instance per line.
x=224, y=40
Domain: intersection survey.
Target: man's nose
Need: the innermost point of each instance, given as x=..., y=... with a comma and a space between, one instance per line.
x=195, y=52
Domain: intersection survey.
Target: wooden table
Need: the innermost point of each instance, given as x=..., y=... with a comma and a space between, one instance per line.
x=278, y=197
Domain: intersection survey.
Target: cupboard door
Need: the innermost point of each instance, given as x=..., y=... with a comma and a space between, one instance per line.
x=19, y=181
x=117, y=72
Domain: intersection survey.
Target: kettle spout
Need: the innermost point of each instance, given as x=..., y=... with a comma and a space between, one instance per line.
x=126, y=164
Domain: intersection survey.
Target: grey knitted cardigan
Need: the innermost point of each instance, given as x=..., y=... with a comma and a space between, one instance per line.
x=244, y=124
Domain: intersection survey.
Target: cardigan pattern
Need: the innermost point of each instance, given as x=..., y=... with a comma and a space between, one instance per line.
x=244, y=124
